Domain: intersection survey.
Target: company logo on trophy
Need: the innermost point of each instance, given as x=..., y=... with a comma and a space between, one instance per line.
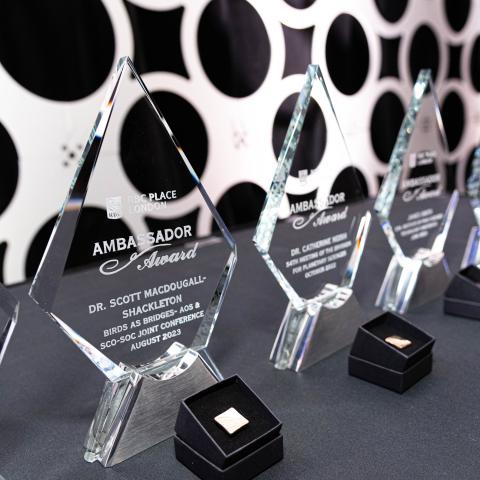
x=114, y=207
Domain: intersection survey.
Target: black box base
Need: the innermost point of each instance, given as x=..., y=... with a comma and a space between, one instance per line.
x=391, y=379
x=245, y=469
x=461, y=308
x=462, y=298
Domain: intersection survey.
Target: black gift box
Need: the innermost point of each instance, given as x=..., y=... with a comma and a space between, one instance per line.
x=374, y=360
x=462, y=297
x=209, y=451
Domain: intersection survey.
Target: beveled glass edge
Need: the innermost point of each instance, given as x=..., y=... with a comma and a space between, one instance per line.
x=357, y=252
x=205, y=329
x=110, y=369
x=198, y=183
x=269, y=215
x=108, y=417
x=51, y=267
x=443, y=229
x=388, y=189
x=52, y=272
x=10, y=305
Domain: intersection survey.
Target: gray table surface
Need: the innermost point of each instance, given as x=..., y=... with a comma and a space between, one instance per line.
x=335, y=426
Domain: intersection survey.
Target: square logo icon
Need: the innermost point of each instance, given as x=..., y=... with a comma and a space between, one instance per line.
x=114, y=207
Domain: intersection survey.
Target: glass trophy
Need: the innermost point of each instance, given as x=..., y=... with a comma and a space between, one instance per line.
x=472, y=252
x=9, y=307
x=312, y=231
x=127, y=277
x=413, y=206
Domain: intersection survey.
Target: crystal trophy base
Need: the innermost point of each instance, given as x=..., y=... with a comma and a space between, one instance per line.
x=140, y=410
x=419, y=280
x=472, y=251
x=324, y=326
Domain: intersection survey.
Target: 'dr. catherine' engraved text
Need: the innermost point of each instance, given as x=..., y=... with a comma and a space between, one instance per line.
x=319, y=257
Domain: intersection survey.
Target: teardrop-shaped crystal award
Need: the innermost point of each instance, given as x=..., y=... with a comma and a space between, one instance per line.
x=413, y=205
x=312, y=231
x=127, y=276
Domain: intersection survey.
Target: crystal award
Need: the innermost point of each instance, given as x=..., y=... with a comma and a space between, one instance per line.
x=472, y=252
x=9, y=307
x=128, y=278
x=413, y=206
x=312, y=231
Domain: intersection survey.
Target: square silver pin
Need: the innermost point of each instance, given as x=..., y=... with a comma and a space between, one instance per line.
x=231, y=420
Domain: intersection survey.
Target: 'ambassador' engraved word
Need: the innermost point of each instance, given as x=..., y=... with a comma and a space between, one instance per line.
x=153, y=260
x=142, y=240
x=317, y=203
